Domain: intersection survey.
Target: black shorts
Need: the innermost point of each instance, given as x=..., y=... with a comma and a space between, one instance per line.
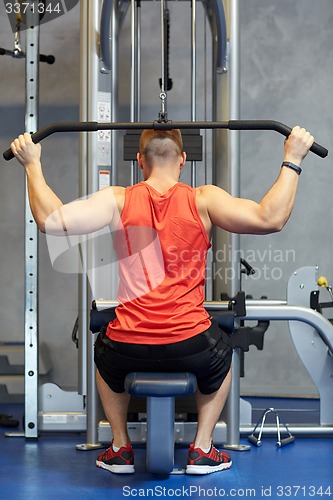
x=207, y=355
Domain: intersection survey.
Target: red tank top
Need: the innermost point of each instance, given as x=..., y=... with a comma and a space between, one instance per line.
x=161, y=245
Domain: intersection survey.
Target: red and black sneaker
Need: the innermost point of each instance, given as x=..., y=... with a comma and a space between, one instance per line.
x=119, y=462
x=199, y=462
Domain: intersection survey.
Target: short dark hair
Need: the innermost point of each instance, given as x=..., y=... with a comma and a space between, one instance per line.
x=149, y=135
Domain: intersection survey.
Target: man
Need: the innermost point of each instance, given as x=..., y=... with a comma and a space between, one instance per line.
x=161, y=234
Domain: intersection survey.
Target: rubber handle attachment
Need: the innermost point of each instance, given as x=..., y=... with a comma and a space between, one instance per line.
x=47, y=59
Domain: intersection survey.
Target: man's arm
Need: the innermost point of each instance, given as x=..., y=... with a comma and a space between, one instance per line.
x=272, y=213
x=50, y=214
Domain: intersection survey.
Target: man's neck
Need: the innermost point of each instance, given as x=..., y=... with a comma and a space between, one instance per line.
x=163, y=179
x=161, y=184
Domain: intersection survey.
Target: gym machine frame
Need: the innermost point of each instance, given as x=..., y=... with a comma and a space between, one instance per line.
x=255, y=310
x=89, y=184
x=31, y=236
x=267, y=310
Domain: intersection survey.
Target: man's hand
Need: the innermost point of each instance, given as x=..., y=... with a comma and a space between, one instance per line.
x=297, y=146
x=26, y=151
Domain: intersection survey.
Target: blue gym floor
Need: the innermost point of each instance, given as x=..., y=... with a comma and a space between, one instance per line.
x=51, y=468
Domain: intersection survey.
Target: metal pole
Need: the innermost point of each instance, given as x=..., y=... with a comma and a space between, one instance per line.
x=233, y=401
x=98, y=98
x=114, y=91
x=162, y=48
x=138, y=72
x=134, y=77
x=88, y=249
x=31, y=233
x=163, y=93
x=138, y=80
x=193, y=82
x=83, y=191
x=134, y=22
x=234, y=135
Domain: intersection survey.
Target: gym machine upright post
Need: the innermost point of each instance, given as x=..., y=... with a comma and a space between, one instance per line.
x=31, y=237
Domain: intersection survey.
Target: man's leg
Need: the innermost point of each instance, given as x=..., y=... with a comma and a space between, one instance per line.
x=115, y=406
x=209, y=410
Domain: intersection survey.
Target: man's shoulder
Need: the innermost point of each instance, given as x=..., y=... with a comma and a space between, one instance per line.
x=208, y=195
x=206, y=190
x=115, y=194
x=118, y=189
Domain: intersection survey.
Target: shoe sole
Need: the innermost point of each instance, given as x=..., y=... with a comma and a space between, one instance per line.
x=206, y=469
x=116, y=469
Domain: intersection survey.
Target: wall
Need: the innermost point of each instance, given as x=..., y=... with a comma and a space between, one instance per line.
x=286, y=75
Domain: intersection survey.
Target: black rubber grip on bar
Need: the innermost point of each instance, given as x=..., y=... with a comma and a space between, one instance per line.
x=277, y=127
x=231, y=125
x=57, y=127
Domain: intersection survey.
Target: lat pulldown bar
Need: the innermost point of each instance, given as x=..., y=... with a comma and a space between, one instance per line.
x=161, y=125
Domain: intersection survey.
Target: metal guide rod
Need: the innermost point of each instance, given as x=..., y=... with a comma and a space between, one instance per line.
x=88, y=247
x=115, y=22
x=162, y=46
x=82, y=282
x=163, y=93
x=31, y=234
x=93, y=126
x=138, y=79
x=193, y=81
x=134, y=104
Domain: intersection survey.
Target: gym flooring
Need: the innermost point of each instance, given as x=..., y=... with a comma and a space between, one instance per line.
x=52, y=468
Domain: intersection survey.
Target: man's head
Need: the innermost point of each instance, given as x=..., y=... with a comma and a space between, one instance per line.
x=161, y=146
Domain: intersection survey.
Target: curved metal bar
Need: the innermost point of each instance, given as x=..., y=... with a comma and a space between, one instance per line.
x=105, y=35
x=293, y=313
x=219, y=19
x=216, y=16
x=231, y=125
x=106, y=16
x=221, y=36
